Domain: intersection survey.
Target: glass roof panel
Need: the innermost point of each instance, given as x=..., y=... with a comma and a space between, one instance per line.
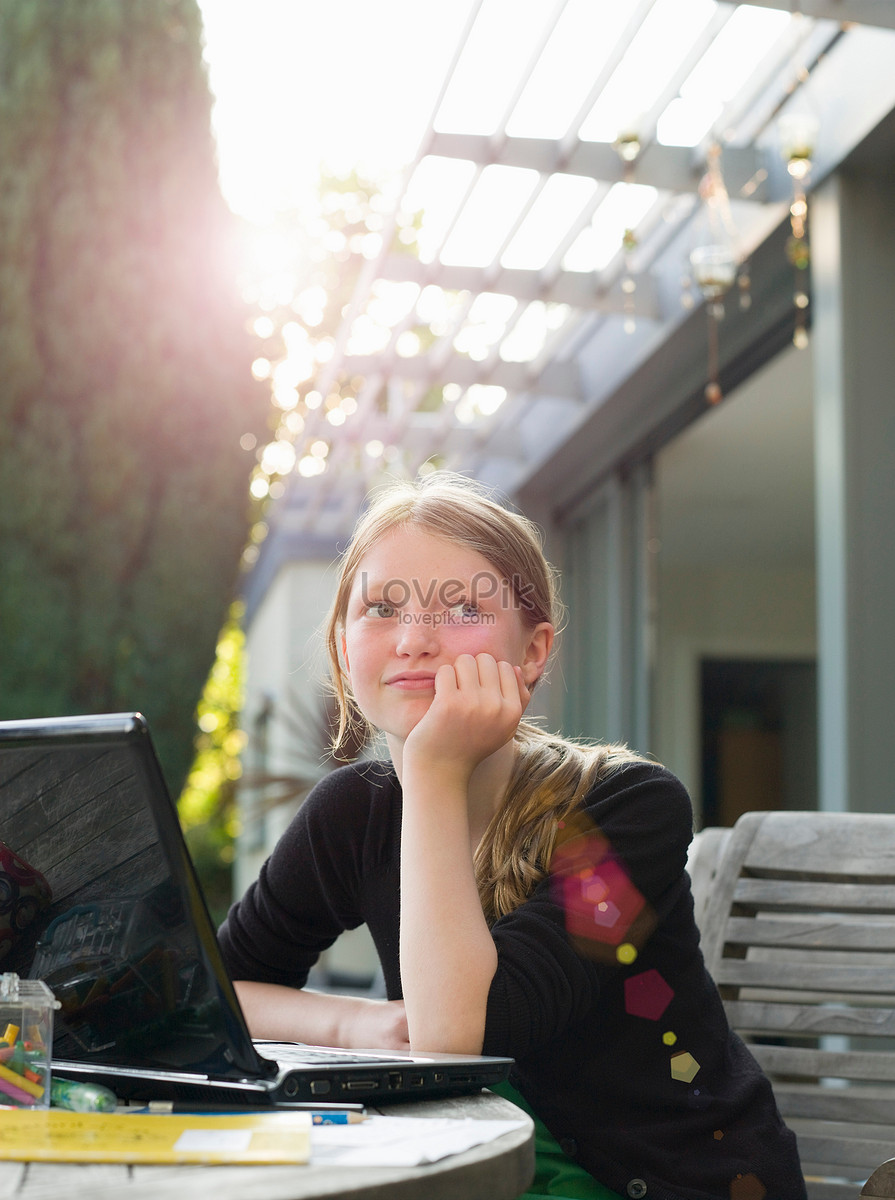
x=485, y=325
x=391, y=302
x=573, y=57
x=734, y=54
x=438, y=308
x=497, y=201
x=529, y=335
x=625, y=206
x=560, y=202
x=501, y=41
x=481, y=400
x=685, y=122
x=437, y=188
x=650, y=62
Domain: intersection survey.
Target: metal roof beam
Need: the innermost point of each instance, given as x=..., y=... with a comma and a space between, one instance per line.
x=576, y=288
x=560, y=379
x=860, y=12
x=670, y=168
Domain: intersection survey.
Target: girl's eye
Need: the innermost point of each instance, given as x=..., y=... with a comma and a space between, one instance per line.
x=381, y=608
x=465, y=611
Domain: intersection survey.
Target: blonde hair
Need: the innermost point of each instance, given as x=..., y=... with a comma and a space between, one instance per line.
x=551, y=774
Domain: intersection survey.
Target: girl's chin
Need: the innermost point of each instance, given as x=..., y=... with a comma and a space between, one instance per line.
x=403, y=728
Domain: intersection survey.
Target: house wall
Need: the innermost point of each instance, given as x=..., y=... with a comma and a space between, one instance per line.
x=709, y=553
x=284, y=669
x=722, y=612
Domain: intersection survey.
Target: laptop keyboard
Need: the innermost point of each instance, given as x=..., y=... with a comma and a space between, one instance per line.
x=296, y=1052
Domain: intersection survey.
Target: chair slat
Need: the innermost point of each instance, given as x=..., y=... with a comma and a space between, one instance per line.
x=756, y=1017
x=863, y=1153
x=791, y=975
x=791, y=894
x=865, y=1104
x=831, y=1189
x=860, y=846
x=812, y=1063
x=820, y=931
x=854, y=1158
x=829, y=1131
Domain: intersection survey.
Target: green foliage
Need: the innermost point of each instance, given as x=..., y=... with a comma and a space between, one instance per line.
x=125, y=386
x=207, y=805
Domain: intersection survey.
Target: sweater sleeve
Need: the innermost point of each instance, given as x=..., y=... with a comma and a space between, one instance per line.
x=557, y=951
x=307, y=892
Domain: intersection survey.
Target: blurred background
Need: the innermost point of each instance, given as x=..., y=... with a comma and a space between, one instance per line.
x=628, y=263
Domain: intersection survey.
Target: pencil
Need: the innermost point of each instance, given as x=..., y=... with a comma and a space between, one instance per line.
x=334, y=1116
x=338, y=1118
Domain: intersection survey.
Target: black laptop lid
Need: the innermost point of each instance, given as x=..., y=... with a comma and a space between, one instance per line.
x=125, y=941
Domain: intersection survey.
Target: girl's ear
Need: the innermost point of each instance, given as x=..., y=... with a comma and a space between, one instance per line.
x=536, y=655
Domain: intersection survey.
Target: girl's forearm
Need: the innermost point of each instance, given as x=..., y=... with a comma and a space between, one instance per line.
x=286, y=1014
x=448, y=957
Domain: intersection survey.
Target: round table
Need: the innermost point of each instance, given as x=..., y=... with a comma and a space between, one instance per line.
x=498, y=1170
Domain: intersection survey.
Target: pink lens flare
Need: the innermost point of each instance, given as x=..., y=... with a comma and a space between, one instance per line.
x=603, y=909
x=647, y=995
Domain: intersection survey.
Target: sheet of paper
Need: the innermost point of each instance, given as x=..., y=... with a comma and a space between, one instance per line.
x=401, y=1141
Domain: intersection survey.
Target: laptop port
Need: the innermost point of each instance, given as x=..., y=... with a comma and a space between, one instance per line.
x=416, y=1081
x=361, y=1085
x=438, y=1077
x=394, y=1080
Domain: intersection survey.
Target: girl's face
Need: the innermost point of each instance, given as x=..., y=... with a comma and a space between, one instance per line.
x=417, y=602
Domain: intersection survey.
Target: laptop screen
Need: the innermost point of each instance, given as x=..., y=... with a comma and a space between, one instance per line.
x=124, y=939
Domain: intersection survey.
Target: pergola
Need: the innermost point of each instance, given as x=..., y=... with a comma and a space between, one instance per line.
x=560, y=212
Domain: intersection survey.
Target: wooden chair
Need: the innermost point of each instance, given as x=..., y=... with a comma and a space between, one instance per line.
x=703, y=860
x=799, y=934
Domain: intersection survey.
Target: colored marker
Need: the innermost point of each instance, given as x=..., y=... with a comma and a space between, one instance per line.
x=81, y=1097
x=13, y=1078
x=11, y=1092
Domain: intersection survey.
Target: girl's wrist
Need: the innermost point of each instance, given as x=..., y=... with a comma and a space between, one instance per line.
x=438, y=774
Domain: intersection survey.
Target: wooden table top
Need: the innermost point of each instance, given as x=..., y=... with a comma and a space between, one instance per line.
x=498, y=1170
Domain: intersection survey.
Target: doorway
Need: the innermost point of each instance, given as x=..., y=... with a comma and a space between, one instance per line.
x=758, y=736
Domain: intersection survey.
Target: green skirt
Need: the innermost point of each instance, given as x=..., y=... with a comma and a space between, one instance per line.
x=557, y=1177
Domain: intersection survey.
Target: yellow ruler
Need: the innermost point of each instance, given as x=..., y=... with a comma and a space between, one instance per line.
x=56, y=1135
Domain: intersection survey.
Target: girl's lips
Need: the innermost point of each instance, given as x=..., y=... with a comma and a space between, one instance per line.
x=412, y=683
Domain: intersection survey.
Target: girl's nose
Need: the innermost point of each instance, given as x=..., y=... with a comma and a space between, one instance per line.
x=417, y=633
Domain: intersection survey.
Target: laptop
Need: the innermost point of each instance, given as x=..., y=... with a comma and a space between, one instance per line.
x=127, y=946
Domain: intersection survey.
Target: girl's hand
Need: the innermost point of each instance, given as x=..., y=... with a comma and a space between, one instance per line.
x=371, y=1024
x=477, y=708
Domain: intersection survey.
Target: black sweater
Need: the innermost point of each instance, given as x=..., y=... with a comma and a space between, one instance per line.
x=608, y=1068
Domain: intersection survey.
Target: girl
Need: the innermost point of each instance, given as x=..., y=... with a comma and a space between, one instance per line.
x=527, y=895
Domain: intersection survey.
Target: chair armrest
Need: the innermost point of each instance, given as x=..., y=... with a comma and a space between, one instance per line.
x=882, y=1182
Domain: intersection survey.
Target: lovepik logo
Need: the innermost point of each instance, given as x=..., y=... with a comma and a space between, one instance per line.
x=448, y=595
